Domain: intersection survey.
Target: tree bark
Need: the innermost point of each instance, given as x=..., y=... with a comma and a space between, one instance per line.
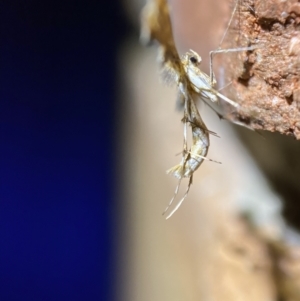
x=266, y=81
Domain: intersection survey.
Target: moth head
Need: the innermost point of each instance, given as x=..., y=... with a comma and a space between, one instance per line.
x=194, y=58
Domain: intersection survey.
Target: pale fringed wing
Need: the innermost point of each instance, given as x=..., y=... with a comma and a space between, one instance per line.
x=156, y=26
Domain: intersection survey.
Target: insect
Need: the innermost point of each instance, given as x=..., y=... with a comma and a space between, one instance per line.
x=191, y=82
x=192, y=158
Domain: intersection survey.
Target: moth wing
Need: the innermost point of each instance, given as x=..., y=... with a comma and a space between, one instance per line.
x=201, y=84
x=156, y=26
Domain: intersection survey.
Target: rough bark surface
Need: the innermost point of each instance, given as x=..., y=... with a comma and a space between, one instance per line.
x=266, y=81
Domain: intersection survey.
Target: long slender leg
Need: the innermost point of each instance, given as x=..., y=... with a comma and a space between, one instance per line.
x=212, y=79
x=221, y=116
x=185, y=147
x=205, y=158
x=184, y=92
x=229, y=23
x=174, y=196
x=213, y=52
x=183, y=198
x=219, y=50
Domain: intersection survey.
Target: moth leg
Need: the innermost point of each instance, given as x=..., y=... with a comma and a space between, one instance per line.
x=229, y=23
x=182, y=199
x=184, y=152
x=221, y=116
x=213, y=52
x=205, y=158
x=175, y=194
x=185, y=120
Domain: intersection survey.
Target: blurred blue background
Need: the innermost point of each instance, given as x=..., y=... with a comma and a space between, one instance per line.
x=57, y=99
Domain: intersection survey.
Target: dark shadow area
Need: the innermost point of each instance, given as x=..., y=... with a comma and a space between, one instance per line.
x=278, y=158
x=57, y=128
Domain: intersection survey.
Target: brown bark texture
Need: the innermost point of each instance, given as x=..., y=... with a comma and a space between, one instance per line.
x=265, y=82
